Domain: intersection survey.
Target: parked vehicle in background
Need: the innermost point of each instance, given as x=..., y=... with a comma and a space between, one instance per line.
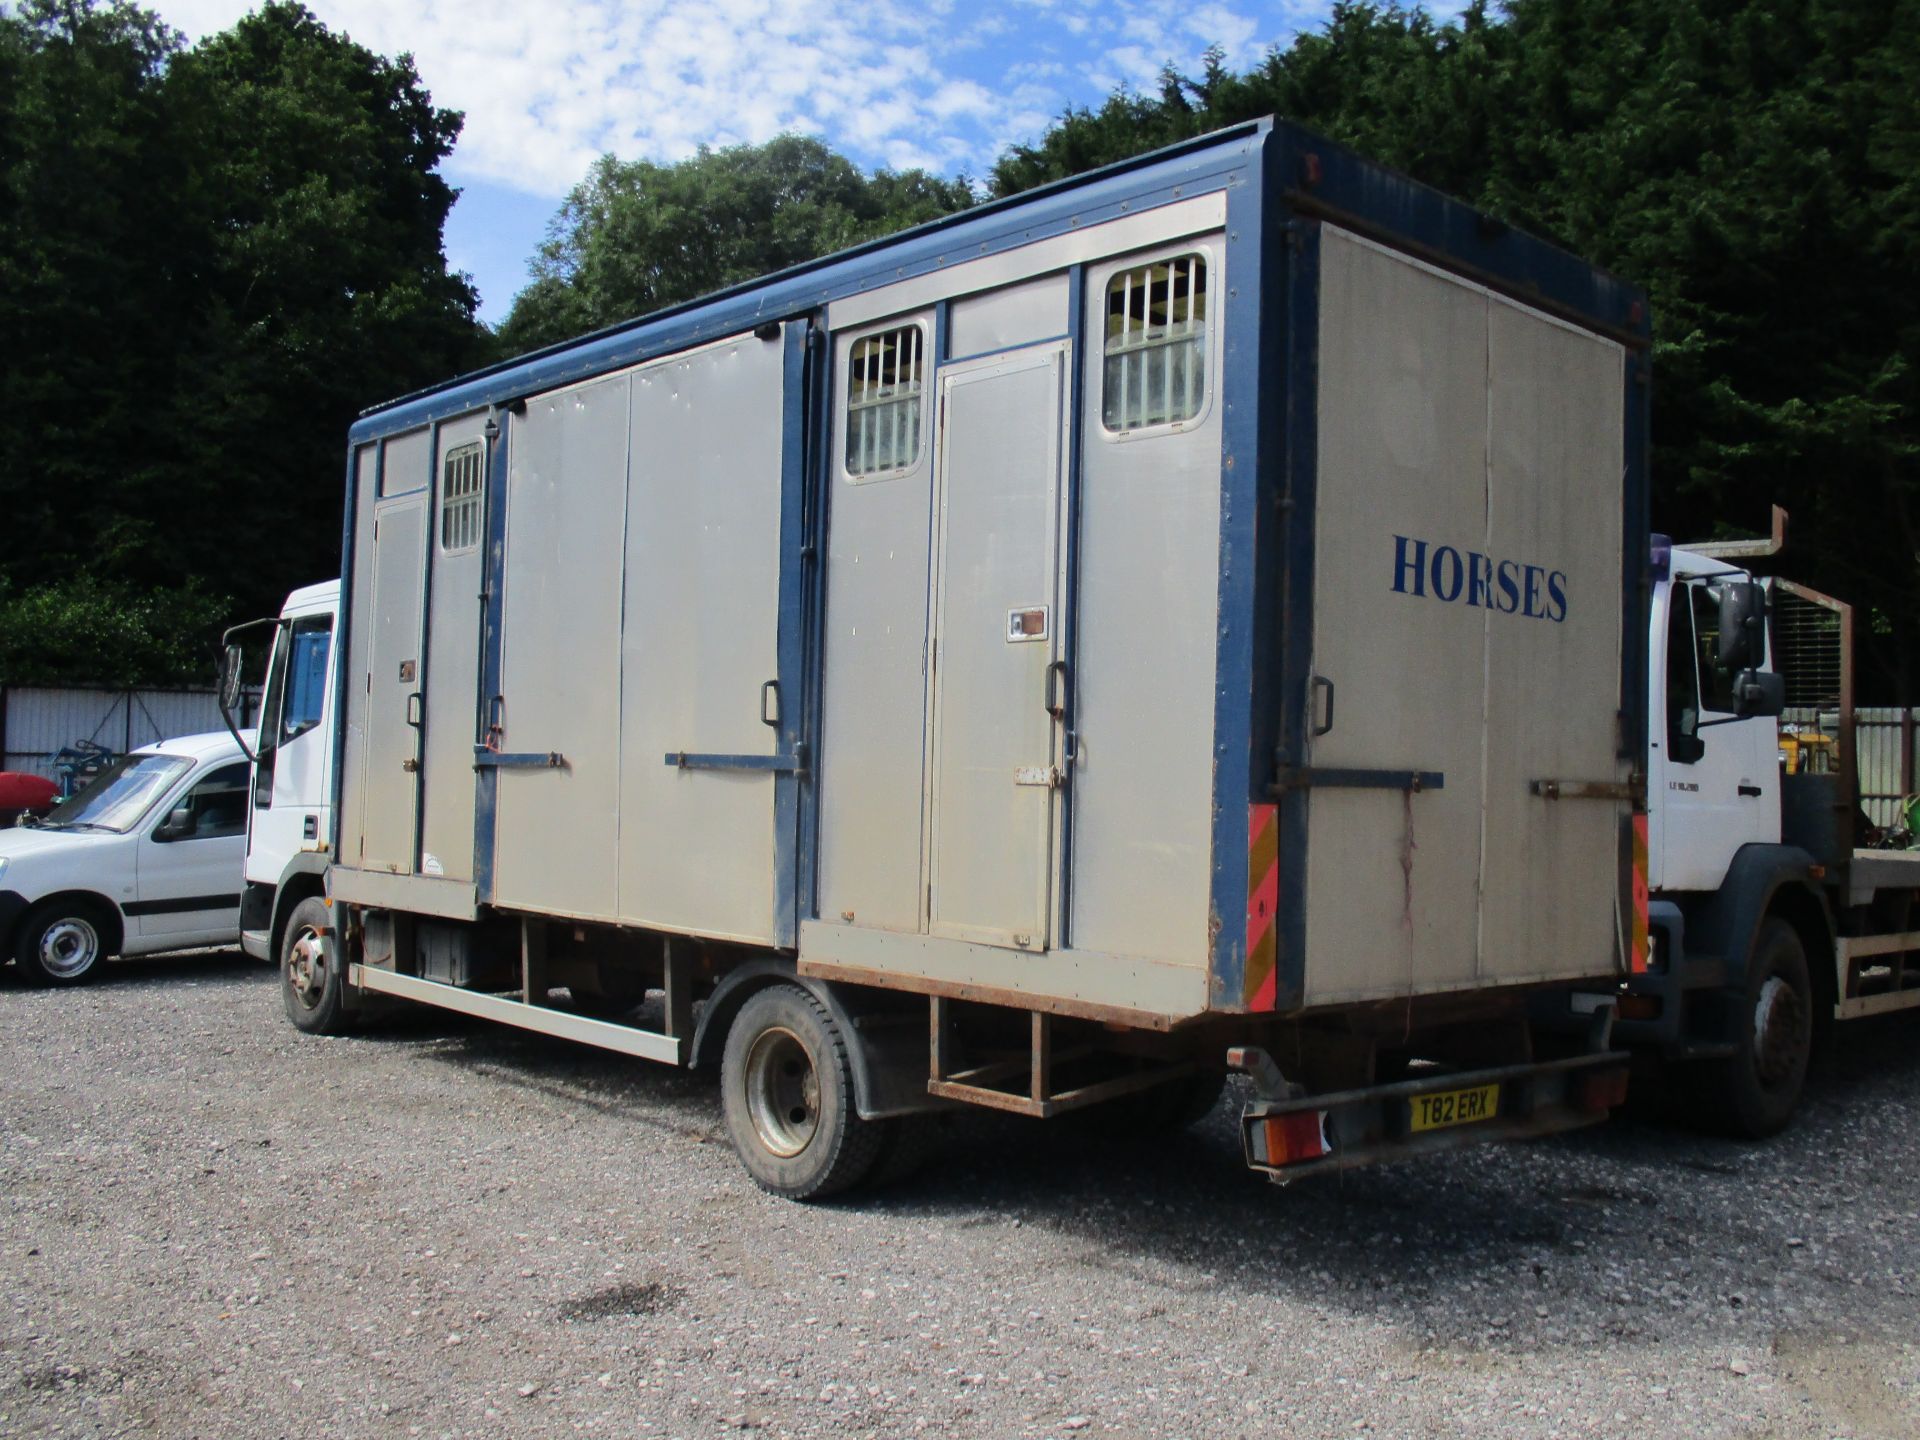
x=23, y=795
x=909, y=680
x=1772, y=915
x=290, y=834
x=145, y=857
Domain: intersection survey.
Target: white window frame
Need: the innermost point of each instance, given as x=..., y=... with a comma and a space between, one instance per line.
x=1208, y=253
x=843, y=397
x=472, y=500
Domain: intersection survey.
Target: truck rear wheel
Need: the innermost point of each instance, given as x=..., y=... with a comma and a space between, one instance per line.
x=786, y=1087
x=313, y=977
x=1753, y=1092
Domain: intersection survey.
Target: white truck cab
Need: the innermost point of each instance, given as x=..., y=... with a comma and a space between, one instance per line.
x=290, y=829
x=1767, y=924
x=1713, y=774
x=144, y=858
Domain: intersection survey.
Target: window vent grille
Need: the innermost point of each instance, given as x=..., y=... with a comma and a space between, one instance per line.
x=885, y=377
x=460, y=506
x=1156, y=344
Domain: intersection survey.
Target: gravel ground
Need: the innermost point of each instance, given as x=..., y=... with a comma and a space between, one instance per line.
x=211, y=1226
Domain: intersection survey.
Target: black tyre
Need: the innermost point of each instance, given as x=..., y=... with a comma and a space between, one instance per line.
x=786, y=1087
x=313, y=978
x=64, y=942
x=1753, y=1092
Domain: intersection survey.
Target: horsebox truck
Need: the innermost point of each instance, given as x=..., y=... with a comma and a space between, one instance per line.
x=1180, y=619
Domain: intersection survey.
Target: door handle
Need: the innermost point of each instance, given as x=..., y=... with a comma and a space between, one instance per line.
x=1320, y=684
x=770, y=715
x=1753, y=790
x=416, y=709
x=1059, y=689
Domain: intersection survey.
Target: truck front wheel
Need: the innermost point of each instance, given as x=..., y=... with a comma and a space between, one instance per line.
x=786, y=1087
x=313, y=978
x=1753, y=1092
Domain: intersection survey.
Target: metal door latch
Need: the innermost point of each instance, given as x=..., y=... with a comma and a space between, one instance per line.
x=1044, y=775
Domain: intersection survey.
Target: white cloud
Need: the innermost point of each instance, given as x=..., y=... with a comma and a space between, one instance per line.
x=546, y=88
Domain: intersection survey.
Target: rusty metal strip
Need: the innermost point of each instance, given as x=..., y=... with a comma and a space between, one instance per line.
x=993, y=995
x=1634, y=790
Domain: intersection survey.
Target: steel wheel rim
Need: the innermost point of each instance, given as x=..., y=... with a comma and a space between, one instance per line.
x=783, y=1092
x=307, y=967
x=69, y=947
x=1779, y=1017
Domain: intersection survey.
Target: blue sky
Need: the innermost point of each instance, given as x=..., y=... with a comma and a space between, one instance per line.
x=548, y=87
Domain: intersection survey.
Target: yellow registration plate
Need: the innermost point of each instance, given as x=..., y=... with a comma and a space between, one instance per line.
x=1455, y=1107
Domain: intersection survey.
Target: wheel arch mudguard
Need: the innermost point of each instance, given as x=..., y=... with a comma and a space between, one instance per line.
x=886, y=1038
x=1764, y=880
x=304, y=877
x=14, y=909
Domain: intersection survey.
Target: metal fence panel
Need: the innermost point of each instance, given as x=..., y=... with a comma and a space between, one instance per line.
x=36, y=722
x=1883, y=750
x=1883, y=754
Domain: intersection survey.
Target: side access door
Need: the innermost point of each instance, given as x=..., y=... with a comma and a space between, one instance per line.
x=389, y=778
x=998, y=671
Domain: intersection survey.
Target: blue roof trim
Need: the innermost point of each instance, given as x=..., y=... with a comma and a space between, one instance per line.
x=1180, y=172
x=1330, y=181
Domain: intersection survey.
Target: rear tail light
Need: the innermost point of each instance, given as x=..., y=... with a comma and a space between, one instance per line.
x=1296, y=1137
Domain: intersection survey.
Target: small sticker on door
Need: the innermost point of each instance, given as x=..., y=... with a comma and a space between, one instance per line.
x=1029, y=623
x=430, y=864
x=408, y=670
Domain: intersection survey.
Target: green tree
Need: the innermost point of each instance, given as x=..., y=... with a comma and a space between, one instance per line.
x=82, y=630
x=635, y=236
x=211, y=261
x=92, y=243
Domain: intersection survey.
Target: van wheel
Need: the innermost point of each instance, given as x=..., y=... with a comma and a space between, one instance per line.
x=1753, y=1092
x=63, y=942
x=313, y=977
x=786, y=1088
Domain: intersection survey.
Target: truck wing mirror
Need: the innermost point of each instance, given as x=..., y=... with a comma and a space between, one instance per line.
x=232, y=678
x=1686, y=749
x=1743, y=627
x=1759, y=692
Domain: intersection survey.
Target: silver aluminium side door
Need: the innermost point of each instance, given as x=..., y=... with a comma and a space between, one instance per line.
x=389, y=781
x=994, y=750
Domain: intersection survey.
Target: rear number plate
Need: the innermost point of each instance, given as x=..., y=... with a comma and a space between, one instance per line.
x=1455, y=1107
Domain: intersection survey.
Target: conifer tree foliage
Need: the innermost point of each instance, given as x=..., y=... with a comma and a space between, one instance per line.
x=211, y=259
x=1754, y=164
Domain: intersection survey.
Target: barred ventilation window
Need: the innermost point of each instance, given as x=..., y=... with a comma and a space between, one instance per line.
x=1156, y=344
x=885, y=376
x=460, y=501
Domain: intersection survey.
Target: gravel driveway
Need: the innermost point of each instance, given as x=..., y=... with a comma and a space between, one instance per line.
x=211, y=1226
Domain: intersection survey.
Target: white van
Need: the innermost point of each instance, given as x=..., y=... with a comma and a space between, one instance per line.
x=147, y=857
